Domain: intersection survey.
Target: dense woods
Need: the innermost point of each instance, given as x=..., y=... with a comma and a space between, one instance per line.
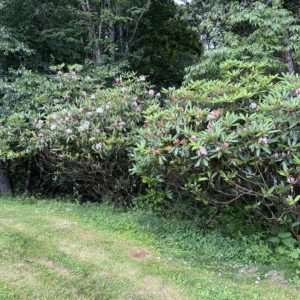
x=190, y=109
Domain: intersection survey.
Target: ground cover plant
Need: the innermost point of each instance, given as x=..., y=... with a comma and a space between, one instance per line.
x=55, y=249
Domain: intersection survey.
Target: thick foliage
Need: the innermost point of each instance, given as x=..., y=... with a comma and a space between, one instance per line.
x=237, y=138
x=252, y=31
x=72, y=128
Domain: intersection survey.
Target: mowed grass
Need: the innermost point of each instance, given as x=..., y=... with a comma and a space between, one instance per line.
x=57, y=250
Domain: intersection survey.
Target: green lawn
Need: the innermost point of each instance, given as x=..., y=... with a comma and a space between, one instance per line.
x=55, y=250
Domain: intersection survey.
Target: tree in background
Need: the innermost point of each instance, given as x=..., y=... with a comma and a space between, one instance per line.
x=165, y=44
x=148, y=33
x=72, y=31
x=260, y=31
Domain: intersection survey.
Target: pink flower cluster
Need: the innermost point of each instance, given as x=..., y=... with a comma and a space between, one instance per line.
x=291, y=180
x=73, y=75
x=263, y=140
x=223, y=147
x=201, y=152
x=213, y=115
x=151, y=93
x=278, y=155
x=69, y=131
x=210, y=126
x=118, y=80
x=98, y=146
x=134, y=103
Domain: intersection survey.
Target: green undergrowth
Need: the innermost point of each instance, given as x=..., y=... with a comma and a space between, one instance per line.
x=58, y=249
x=182, y=239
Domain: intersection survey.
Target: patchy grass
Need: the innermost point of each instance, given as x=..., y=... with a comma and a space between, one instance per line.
x=56, y=250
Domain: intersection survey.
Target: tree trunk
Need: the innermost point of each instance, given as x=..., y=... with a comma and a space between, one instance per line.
x=5, y=183
x=290, y=62
x=111, y=28
x=28, y=177
x=96, y=52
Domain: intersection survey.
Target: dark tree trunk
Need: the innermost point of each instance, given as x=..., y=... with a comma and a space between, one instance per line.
x=28, y=177
x=5, y=182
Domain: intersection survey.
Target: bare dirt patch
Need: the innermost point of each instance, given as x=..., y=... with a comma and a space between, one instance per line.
x=140, y=254
x=273, y=275
x=54, y=266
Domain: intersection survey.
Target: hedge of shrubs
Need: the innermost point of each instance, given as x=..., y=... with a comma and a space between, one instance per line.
x=236, y=139
x=213, y=142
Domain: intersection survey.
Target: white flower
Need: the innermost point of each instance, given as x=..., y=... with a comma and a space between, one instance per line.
x=253, y=105
x=118, y=80
x=99, y=110
x=69, y=131
x=84, y=126
x=39, y=124
x=142, y=78
x=122, y=124
x=53, y=127
x=98, y=146
x=134, y=103
x=151, y=93
x=93, y=97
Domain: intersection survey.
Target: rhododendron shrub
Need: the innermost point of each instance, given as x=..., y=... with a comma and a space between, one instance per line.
x=236, y=139
x=78, y=131
x=233, y=140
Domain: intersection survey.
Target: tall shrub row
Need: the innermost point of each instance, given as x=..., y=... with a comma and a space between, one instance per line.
x=234, y=140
